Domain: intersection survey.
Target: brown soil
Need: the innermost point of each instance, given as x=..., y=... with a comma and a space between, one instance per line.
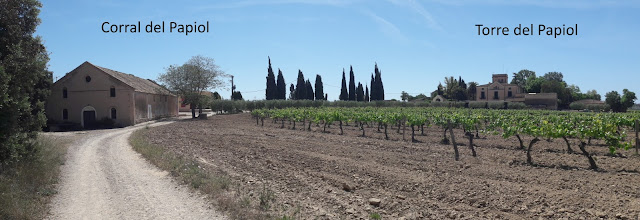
x=308, y=170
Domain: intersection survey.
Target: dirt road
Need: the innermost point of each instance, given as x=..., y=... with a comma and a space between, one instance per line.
x=104, y=178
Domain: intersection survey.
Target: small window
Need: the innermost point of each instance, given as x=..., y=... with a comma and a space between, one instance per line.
x=482, y=95
x=112, y=91
x=64, y=92
x=509, y=94
x=88, y=78
x=495, y=95
x=65, y=114
x=113, y=113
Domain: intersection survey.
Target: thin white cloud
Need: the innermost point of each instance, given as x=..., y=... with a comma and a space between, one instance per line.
x=387, y=27
x=252, y=3
x=571, y=4
x=418, y=8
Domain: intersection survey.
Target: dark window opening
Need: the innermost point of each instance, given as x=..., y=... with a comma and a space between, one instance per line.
x=65, y=114
x=482, y=95
x=88, y=78
x=112, y=91
x=495, y=95
x=64, y=92
x=509, y=94
x=113, y=113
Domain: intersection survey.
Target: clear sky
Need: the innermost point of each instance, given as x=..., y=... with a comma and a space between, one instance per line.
x=416, y=43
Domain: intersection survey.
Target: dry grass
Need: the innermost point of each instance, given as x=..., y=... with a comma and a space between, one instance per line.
x=27, y=186
x=189, y=172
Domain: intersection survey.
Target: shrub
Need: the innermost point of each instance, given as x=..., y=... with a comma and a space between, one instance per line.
x=577, y=106
x=495, y=105
x=516, y=105
x=476, y=105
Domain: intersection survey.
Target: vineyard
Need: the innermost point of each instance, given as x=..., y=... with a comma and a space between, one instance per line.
x=618, y=131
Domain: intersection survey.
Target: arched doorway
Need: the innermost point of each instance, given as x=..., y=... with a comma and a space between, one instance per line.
x=88, y=117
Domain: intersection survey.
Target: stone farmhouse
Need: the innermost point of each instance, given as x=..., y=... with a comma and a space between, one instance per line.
x=90, y=93
x=501, y=90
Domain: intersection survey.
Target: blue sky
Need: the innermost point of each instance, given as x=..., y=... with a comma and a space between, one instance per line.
x=416, y=43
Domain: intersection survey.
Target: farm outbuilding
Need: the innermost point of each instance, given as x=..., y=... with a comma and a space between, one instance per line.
x=90, y=93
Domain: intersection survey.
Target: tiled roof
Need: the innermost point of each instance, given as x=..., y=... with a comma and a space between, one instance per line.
x=137, y=83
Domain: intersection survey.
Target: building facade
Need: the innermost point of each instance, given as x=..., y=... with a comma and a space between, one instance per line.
x=499, y=90
x=90, y=93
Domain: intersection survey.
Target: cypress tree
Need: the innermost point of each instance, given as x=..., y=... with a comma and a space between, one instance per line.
x=344, y=95
x=379, y=85
x=309, y=91
x=281, y=87
x=359, y=93
x=270, y=93
x=352, y=85
x=372, y=94
x=366, y=93
x=25, y=81
x=301, y=87
x=319, y=89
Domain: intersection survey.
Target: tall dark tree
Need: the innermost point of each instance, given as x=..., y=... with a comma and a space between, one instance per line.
x=359, y=93
x=301, y=87
x=372, y=97
x=366, y=93
x=237, y=95
x=281, y=87
x=352, y=85
x=377, y=88
x=319, y=90
x=271, y=92
x=309, y=92
x=344, y=95
x=292, y=92
x=25, y=81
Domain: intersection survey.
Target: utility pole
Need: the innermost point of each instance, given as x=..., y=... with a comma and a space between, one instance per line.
x=233, y=87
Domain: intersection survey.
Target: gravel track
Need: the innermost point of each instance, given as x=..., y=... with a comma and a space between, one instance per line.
x=104, y=178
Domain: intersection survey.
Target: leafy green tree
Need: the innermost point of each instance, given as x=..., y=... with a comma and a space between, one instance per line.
x=593, y=94
x=292, y=92
x=628, y=99
x=472, y=90
x=281, y=87
x=25, y=82
x=271, y=92
x=344, y=95
x=352, y=85
x=189, y=80
x=614, y=101
x=554, y=76
x=319, y=90
x=560, y=88
x=404, y=96
x=534, y=84
x=522, y=77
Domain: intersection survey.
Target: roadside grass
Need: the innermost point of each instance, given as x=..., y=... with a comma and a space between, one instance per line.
x=189, y=172
x=27, y=186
